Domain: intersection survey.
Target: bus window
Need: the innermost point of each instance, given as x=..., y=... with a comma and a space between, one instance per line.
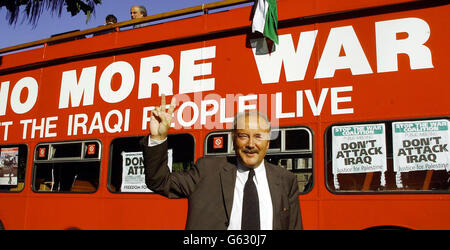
x=388, y=156
x=275, y=140
x=298, y=139
x=290, y=148
x=13, y=162
x=126, y=167
x=67, y=167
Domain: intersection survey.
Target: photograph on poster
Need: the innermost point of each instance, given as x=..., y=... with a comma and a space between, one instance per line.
x=8, y=166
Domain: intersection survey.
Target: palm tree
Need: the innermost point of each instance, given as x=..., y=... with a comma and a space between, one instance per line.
x=33, y=8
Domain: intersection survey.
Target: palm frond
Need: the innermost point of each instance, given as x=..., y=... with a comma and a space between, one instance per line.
x=32, y=9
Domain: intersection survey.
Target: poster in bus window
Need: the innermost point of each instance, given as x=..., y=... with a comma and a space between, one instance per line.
x=420, y=145
x=133, y=176
x=359, y=149
x=9, y=158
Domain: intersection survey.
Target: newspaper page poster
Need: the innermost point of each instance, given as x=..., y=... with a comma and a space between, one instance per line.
x=359, y=149
x=9, y=158
x=421, y=145
x=133, y=174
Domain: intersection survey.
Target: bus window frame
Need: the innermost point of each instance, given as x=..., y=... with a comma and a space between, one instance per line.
x=304, y=151
x=270, y=150
x=26, y=165
x=389, y=156
x=67, y=160
x=275, y=151
x=230, y=149
x=110, y=156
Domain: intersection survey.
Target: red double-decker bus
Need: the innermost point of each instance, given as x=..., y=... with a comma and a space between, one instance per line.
x=357, y=92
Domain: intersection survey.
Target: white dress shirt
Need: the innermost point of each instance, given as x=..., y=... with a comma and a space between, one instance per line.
x=265, y=200
x=153, y=142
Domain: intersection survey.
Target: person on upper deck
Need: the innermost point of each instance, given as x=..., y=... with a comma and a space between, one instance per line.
x=138, y=11
x=110, y=19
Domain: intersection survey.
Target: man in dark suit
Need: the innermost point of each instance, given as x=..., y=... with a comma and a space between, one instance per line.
x=220, y=193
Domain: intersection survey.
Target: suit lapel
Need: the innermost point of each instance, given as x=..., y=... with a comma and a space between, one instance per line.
x=228, y=181
x=275, y=193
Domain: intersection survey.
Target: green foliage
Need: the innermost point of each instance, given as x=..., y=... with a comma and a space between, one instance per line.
x=34, y=8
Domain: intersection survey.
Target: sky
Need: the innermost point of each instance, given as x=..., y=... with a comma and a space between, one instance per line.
x=49, y=24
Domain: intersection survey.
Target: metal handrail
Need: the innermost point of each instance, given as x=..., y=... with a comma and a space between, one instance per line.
x=186, y=11
x=204, y=8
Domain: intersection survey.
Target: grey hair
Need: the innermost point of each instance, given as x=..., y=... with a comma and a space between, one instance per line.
x=143, y=10
x=250, y=113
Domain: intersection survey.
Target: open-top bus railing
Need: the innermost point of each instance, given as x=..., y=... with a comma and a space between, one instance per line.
x=152, y=18
x=203, y=8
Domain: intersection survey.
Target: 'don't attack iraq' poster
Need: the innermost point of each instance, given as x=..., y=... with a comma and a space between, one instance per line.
x=133, y=174
x=420, y=145
x=359, y=149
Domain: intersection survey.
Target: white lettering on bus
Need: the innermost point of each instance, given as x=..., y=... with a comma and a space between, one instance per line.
x=316, y=108
x=43, y=127
x=75, y=90
x=354, y=58
x=189, y=69
x=148, y=76
x=113, y=122
x=204, y=109
x=218, y=104
x=388, y=47
x=386, y=36
x=32, y=86
x=17, y=105
x=243, y=99
x=104, y=86
x=295, y=62
x=5, y=130
x=194, y=117
x=4, y=88
x=335, y=100
x=191, y=111
x=195, y=71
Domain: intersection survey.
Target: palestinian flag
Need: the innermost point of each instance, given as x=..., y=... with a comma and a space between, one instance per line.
x=265, y=19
